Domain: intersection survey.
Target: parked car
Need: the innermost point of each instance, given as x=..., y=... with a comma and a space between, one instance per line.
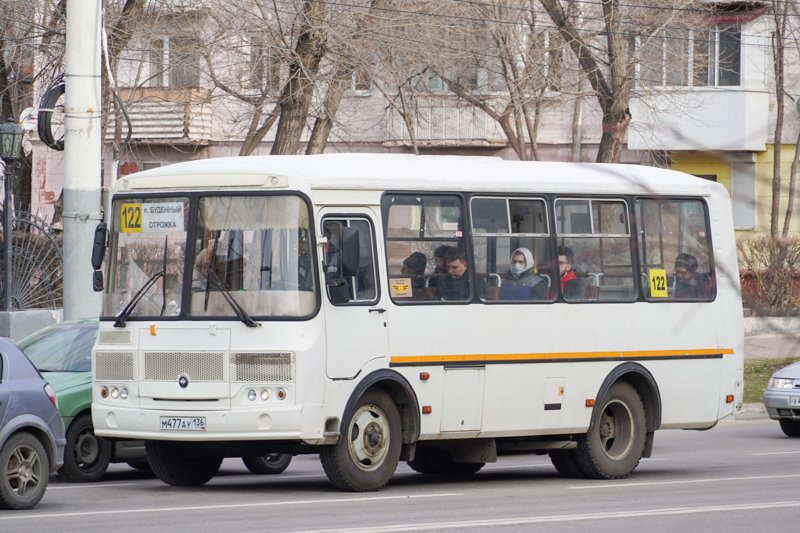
x=782, y=399
x=63, y=354
x=31, y=431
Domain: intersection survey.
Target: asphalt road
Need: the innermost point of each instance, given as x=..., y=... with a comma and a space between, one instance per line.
x=740, y=476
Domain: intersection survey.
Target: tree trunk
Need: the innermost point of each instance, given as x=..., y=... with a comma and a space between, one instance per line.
x=778, y=42
x=295, y=99
x=792, y=182
x=324, y=123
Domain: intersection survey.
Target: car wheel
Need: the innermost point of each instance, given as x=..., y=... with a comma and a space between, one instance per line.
x=615, y=443
x=86, y=455
x=182, y=463
x=368, y=451
x=790, y=427
x=272, y=463
x=24, y=472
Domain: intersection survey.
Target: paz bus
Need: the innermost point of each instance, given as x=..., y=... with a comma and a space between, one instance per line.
x=356, y=307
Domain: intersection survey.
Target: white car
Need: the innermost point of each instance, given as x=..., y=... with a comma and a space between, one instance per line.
x=782, y=398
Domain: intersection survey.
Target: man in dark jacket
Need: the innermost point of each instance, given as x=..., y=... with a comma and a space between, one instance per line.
x=521, y=283
x=454, y=286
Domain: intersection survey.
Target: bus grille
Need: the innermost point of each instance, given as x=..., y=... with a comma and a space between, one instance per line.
x=264, y=366
x=198, y=366
x=113, y=366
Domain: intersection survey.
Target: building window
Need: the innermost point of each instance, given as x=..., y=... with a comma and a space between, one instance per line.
x=700, y=58
x=361, y=84
x=265, y=65
x=173, y=62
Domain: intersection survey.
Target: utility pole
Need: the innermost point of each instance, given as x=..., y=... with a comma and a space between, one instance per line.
x=82, y=155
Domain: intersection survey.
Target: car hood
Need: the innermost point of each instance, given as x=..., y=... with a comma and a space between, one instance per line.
x=789, y=372
x=62, y=381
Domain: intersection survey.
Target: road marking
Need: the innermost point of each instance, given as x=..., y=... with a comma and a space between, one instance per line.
x=775, y=453
x=604, y=485
x=557, y=518
x=22, y=516
x=73, y=486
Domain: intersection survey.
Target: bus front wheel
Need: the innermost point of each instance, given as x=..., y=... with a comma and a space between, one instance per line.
x=367, y=454
x=615, y=443
x=182, y=464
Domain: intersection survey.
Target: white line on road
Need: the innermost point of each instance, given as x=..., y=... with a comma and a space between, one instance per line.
x=604, y=485
x=23, y=516
x=493, y=523
x=775, y=453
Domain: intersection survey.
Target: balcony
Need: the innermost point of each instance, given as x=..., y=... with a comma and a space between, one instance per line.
x=166, y=115
x=443, y=121
x=701, y=118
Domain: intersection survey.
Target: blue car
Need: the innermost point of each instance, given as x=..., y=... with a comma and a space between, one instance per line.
x=32, y=436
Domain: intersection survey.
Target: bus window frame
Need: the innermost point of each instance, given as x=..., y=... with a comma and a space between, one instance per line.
x=339, y=217
x=712, y=274
x=466, y=224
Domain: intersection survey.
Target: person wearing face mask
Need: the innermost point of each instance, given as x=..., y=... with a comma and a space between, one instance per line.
x=521, y=283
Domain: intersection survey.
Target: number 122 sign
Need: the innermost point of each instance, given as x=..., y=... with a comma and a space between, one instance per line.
x=137, y=217
x=658, y=283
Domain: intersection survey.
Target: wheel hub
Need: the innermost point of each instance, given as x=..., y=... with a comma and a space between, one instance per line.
x=87, y=448
x=373, y=438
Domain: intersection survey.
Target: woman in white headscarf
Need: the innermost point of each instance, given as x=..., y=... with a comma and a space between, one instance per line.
x=521, y=283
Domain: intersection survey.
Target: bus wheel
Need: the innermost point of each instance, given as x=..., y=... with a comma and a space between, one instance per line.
x=367, y=453
x=614, y=445
x=182, y=463
x=440, y=461
x=566, y=462
x=272, y=463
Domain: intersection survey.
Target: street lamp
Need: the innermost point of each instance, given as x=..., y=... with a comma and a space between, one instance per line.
x=11, y=135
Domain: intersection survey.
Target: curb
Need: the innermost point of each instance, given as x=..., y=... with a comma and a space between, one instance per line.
x=752, y=411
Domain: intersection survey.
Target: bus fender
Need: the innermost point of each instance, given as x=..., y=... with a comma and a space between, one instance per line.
x=400, y=390
x=644, y=383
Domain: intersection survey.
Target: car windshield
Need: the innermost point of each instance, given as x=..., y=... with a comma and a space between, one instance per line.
x=61, y=348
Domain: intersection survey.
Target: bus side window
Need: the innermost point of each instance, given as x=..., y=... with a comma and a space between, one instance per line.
x=352, y=284
x=675, y=250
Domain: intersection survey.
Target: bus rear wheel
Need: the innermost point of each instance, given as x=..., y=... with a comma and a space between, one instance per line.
x=182, y=464
x=566, y=462
x=615, y=443
x=440, y=461
x=367, y=454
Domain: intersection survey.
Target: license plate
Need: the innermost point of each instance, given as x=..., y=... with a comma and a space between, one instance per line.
x=794, y=401
x=183, y=423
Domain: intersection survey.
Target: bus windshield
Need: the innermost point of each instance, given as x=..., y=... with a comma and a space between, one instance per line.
x=249, y=252
x=148, y=243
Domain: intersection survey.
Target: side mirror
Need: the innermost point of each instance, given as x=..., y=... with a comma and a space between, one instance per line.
x=350, y=252
x=338, y=291
x=99, y=246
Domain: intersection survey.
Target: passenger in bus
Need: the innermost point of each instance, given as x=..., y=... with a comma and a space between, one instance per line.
x=455, y=285
x=689, y=283
x=570, y=285
x=440, y=271
x=521, y=283
x=414, y=268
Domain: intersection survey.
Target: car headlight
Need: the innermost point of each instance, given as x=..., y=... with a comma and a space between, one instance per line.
x=780, y=383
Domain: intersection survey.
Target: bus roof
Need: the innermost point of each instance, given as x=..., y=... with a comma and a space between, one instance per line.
x=424, y=173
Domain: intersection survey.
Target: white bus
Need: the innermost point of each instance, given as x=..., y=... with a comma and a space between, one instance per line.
x=432, y=309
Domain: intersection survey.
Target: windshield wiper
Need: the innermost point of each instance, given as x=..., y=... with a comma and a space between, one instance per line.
x=128, y=309
x=241, y=314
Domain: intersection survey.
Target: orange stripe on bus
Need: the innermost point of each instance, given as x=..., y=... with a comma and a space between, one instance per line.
x=511, y=357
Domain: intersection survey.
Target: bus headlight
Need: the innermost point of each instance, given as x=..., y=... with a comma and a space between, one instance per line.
x=123, y=393
x=265, y=394
x=251, y=395
x=280, y=393
x=104, y=392
x=115, y=393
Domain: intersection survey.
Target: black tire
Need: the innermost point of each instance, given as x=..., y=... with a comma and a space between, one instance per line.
x=272, y=463
x=182, y=464
x=439, y=461
x=614, y=445
x=86, y=456
x=142, y=466
x=421, y=462
x=24, y=472
x=566, y=462
x=368, y=451
x=791, y=428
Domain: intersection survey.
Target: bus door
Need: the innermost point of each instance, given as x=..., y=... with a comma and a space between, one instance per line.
x=355, y=312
